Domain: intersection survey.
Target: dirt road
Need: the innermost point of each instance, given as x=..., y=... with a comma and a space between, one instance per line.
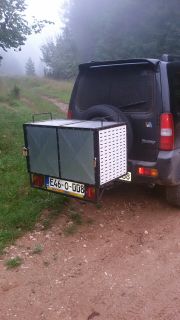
x=61, y=105
x=123, y=263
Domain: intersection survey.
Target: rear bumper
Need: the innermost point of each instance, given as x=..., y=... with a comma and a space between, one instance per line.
x=167, y=164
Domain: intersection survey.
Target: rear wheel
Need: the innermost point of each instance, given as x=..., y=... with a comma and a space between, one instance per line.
x=109, y=113
x=173, y=195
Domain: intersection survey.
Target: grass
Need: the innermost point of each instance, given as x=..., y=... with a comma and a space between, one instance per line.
x=75, y=217
x=99, y=205
x=70, y=229
x=54, y=89
x=46, y=223
x=32, y=91
x=13, y=262
x=21, y=206
x=37, y=249
x=54, y=213
x=75, y=221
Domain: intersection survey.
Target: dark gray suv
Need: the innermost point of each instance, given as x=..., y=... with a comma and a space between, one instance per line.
x=145, y=93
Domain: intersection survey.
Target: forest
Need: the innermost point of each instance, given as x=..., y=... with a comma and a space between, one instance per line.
x=107, y=30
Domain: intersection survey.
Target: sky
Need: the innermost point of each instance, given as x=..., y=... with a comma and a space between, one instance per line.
x=41, y=9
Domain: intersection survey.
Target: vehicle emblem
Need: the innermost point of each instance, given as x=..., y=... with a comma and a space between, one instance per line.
x=148, y=124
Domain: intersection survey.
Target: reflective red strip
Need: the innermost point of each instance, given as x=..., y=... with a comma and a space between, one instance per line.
x=37, y=180
x=90, y=193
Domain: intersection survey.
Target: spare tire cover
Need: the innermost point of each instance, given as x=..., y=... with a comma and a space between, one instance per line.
x=109, y=113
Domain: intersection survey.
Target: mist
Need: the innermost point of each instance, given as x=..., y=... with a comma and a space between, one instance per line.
x=112, y=30
x=96, y=30
x=13, y=62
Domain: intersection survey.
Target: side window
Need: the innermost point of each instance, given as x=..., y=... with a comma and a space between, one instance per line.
x=174, y=84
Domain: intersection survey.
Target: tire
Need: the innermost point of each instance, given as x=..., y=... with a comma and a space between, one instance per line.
x=173, y=195
x=110, y=113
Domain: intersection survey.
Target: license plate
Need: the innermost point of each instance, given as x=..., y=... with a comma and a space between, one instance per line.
x=127, y=177
x=66, y=187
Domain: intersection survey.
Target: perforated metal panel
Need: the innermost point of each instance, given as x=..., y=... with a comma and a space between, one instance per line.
x=113, y=153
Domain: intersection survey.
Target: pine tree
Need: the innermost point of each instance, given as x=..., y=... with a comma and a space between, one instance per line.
x=108, y=30
x=30, y=68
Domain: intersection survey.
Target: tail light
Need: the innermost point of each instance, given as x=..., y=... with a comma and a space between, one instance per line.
x=90, y=193
x=37, y=180
x=144, y=171
x=166, y=132
x=69, y=115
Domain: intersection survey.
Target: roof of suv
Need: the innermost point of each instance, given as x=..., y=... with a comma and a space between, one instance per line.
x=101, y=64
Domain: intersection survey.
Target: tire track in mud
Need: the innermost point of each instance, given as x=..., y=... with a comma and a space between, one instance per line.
x=61, y=105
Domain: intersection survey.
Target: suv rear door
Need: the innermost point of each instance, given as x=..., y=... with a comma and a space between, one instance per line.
x=133, y=89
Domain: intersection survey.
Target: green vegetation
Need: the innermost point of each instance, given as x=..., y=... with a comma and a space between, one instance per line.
x=21, y=206
x=75, y=217
x=46, y=223
x=14, y=28
x=37, y=249
x=13, y=262
x=75, y=221
x=70, y=229
x=15, y=93
x=99, y=205
x=30, y=68
x=33, y=90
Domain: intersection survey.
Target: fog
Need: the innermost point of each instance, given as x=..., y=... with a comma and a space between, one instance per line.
x=97, y=30
x=13, y=62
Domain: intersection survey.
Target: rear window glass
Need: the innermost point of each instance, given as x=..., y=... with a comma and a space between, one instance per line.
x=128, y=88
x=174, y=84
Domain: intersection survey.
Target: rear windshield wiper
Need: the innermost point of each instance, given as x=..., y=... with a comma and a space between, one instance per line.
x=133, y=104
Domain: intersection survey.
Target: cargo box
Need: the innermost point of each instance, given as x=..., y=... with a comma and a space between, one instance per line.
x=75, y=158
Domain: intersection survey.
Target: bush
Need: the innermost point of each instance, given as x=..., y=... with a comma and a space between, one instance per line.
x=15, y=92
